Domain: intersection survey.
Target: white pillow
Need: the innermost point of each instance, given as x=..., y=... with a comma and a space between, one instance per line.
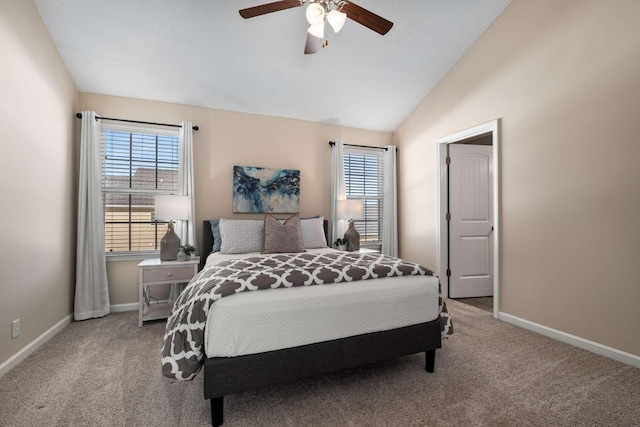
x=313, y=233
x=240, y=236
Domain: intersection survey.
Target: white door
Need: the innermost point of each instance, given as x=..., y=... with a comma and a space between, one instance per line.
x=471, y=221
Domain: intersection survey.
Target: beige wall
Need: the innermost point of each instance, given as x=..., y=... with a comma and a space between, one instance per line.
x=226, y=139
x=37, y=169
x=564, y=78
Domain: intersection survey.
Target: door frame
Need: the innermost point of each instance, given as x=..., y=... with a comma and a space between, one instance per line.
x=443, y=202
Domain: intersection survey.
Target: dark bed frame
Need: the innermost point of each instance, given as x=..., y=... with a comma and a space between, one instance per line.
x=228, y=375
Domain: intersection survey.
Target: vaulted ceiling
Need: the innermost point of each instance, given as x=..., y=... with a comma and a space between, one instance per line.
x=203, y=53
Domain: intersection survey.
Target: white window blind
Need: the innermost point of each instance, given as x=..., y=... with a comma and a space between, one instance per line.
x=363, y=175
x=137, y=163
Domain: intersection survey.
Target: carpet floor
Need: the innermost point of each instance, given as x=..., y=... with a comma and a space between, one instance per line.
x=106, y=372
x=484, y=303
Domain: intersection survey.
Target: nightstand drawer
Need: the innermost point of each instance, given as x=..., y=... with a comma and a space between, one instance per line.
x=168, y=274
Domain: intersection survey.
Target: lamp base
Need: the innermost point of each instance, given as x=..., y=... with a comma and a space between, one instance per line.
x=352, y=237
x=169, y=245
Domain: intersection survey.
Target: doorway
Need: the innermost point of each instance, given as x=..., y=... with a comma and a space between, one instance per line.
x=482, y=237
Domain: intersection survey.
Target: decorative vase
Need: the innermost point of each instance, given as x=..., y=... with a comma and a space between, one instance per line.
x=169, y=244
x=352, y=237
x=181, y=255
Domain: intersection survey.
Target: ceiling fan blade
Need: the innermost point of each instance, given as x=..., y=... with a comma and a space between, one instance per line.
x=312, y=45
x=366, y=18
x=263, y=9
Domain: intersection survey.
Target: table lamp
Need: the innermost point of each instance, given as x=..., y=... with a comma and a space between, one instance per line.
x=351, y=209
x=171, y=208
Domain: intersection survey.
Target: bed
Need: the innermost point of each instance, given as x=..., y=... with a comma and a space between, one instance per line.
x=237, y=359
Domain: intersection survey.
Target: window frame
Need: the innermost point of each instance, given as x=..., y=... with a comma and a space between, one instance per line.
x=358, y=223
x=105, y=189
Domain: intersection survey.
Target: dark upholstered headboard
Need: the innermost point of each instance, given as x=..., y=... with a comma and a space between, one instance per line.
x=207, y=240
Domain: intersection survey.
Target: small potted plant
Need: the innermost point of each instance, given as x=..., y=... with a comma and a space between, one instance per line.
x=340, y=244
x=188, y=250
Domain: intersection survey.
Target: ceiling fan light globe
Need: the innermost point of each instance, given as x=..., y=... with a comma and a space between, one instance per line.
x=336, y=19
x=315, y=14
x=317, y=30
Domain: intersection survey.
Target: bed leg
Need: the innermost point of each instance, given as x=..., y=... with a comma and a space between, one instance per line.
x=217, y=416
x=430, y=361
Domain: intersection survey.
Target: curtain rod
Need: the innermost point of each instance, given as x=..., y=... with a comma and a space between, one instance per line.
x=79, y=115
x=332, y=143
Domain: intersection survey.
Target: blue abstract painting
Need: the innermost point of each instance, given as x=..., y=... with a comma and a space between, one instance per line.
x=265, y=190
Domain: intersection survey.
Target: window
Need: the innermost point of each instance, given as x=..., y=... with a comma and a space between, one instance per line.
x=363, y=176
x=137, y=163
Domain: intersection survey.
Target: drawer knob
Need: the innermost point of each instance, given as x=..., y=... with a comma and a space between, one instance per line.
x=169, y=274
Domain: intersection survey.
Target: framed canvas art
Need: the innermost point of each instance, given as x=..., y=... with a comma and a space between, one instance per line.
x=265, y=190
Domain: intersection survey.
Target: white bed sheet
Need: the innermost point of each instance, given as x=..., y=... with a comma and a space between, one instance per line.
x=274, y=319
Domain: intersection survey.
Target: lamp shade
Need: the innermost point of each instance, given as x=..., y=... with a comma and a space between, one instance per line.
x=315, y=14
x=350, y=209
x=336, y=19
x=317, y=30
x=172, y=207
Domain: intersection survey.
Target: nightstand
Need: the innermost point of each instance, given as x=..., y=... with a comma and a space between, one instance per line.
x=155, y=272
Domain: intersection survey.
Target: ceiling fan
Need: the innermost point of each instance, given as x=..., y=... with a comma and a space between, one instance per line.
x=320, y=13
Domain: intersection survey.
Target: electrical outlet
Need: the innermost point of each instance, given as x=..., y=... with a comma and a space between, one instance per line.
x=15, y=328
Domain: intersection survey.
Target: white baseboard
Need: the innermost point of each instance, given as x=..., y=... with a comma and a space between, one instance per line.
x=131, y=306
x=124, y=307
x=594, y=347
x=34, y=345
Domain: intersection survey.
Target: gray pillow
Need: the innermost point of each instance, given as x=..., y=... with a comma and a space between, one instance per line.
x=215, y=230
x=282, y=237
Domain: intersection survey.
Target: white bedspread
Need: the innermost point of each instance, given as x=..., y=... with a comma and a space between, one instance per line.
x=252, y=322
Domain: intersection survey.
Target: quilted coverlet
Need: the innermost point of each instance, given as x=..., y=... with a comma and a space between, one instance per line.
x=183, y=349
